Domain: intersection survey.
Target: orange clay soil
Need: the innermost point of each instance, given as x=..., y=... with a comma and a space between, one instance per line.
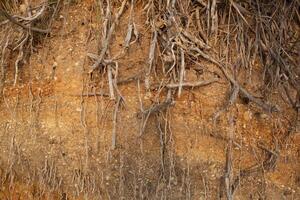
x=56, y=144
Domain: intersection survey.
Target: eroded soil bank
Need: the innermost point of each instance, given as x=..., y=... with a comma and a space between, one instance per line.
x=67, y=133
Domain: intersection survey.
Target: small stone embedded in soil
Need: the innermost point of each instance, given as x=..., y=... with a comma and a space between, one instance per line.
x=54, y=64
x=264, y=116
x=23, y=8
x=247, y=115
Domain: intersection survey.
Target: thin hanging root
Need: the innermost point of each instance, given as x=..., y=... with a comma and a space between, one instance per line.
x=162, y=140
x=232, y=99
x=14, y=21
x=19, y=59
x=141, y=106
x=92, y=94
x=188, y=84
x=182, y=72
x=132, y=32
x=128, y=36
x=130, y=79
x=241, y=15
x=2, y=64
x=31, y=17
x=106, y=21
x=104, y=61
x=244, y=92
x=173, y=58
x=151, y=59
x=200, y=29
x=228, y=166
x=145, y=114
x=24, y=44
x=195, y=40
x=131, y=29
x=115, y=121
x=213, y=16
x=110, y=82
x=297, y=108
x=106, y=42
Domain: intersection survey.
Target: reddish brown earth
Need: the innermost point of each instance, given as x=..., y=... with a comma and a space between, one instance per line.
x=56, y=144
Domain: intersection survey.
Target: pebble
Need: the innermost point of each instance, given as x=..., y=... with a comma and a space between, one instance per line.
x=264, y=116
x=247, y=115
x=23, y=8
